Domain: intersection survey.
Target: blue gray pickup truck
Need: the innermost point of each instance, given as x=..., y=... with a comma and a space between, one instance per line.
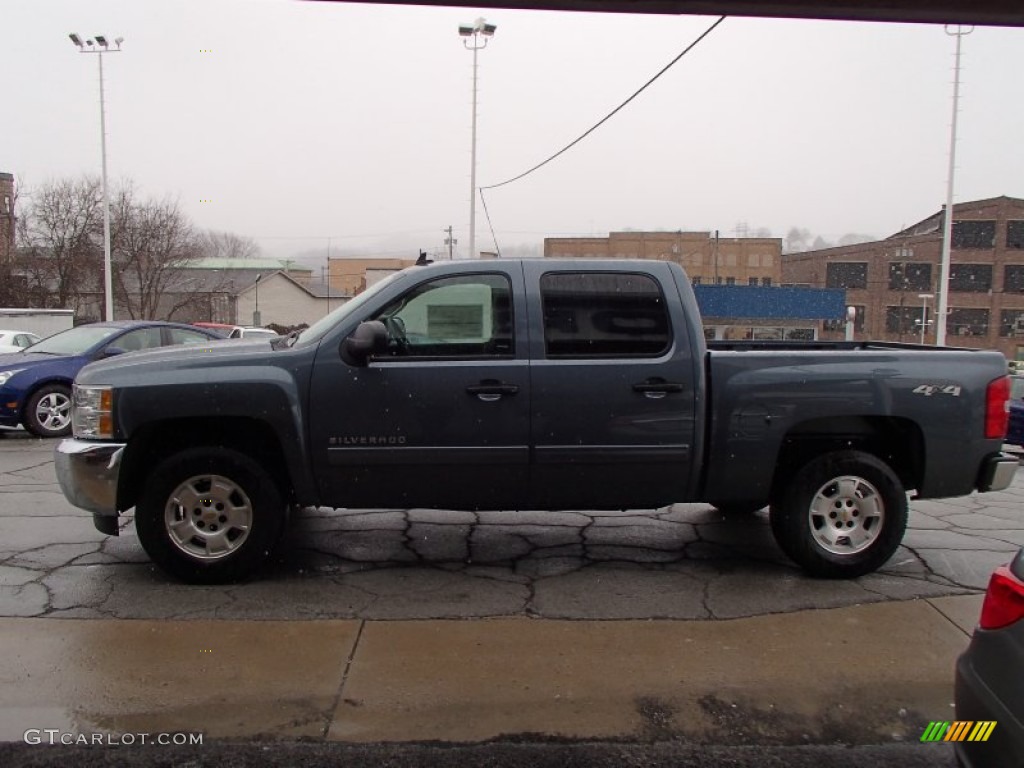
x=533, y=384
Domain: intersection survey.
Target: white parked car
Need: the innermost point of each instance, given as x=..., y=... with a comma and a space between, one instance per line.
x=15, y=341
x=246, y=332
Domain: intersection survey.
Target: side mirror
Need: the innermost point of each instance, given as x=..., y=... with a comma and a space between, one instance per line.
x=368, y=338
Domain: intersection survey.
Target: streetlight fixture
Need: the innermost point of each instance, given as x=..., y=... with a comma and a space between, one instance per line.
x=924, y=311
x=479, y=32
x=104, y=47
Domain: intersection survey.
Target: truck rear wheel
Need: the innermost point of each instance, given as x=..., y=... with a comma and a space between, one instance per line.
x=843, y=515
x=209, y=515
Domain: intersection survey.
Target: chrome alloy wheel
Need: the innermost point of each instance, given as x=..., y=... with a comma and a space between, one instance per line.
x=53, y=411
x=208, y=517
x=846, y=515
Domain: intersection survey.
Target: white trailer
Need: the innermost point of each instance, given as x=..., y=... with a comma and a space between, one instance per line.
x=42, y=322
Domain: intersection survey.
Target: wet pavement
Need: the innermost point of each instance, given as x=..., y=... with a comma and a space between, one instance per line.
x=680, y=625
x=688, y=561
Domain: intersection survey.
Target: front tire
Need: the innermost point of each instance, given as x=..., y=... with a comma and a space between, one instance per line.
x=843, y=515
x=209, y=515
x=48, y=411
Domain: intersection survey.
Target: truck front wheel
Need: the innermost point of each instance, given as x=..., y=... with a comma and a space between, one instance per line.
x=843, y=515
x=209, y=515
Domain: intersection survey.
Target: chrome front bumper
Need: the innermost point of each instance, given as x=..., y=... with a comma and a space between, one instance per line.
x=997, y=472
x=87, y=473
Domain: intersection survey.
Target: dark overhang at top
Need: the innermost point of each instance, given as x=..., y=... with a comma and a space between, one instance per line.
x=982, y=12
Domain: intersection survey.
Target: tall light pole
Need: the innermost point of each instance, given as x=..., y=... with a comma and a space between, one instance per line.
x=942, y=308
x=100, y=46
x=256, y=311
x=479, y=33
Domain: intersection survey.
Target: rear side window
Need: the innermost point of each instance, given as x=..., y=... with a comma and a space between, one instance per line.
x=601, y=314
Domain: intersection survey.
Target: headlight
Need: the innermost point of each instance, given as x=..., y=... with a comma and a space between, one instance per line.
x=92, y=412
x=5, y=375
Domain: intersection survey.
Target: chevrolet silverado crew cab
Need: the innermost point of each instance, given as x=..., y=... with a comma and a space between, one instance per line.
x=533, y=384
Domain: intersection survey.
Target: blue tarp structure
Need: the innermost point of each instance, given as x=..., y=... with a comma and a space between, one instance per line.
x=767, y=302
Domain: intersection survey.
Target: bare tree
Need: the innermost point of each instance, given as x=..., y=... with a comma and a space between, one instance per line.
x=228, y=245
x=152, y=243
x=60, y=235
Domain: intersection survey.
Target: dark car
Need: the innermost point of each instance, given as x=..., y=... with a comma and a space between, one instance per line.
x=1015, y=427
x=35, y=384
x=989, y=675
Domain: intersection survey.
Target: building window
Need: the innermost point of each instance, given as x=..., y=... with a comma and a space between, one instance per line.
x=1015, y=234
x=967, y=322
x=695, y=280
x=846, y=274
x=974, y=234
x=1013, y=278
x=905, y=319
x=730, y=281
x=751, y=281
x=971, y=278
x=766, y=281
x=1011, y=323
x=910, y=276
x=597, y=314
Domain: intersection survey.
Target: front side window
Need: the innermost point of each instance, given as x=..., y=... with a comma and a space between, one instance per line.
x=598, y=314
x=465, y=316
x=183, y=336
x=140, y=338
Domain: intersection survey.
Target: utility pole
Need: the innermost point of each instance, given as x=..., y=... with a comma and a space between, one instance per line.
x=450, y=241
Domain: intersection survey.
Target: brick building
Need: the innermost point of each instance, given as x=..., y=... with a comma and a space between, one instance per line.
x=707, y=259
x=893, y=282
x=6, y=217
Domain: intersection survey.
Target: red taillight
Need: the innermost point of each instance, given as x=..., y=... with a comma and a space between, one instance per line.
x=1004, y=600
x=997, y=412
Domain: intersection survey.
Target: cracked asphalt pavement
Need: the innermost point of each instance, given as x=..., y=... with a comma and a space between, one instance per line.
x=687, y=561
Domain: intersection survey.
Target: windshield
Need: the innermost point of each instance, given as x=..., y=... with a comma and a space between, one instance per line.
x=316, y=331
x=76, y=340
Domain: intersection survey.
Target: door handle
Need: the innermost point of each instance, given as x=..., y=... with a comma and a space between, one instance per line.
x=490, y=390
x=657, y=387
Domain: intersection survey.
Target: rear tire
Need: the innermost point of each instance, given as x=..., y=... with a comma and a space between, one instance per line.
x=209, y=515
x=843, y=515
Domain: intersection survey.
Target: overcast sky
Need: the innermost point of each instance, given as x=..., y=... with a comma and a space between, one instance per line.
x=292, y=122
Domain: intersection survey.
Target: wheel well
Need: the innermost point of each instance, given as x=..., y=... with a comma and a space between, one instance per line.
x=897, y=442
x=154, y=442
x=35, y=388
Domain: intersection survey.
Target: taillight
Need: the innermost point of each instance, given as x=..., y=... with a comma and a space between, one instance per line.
x=997, y=412
x=1004, y=600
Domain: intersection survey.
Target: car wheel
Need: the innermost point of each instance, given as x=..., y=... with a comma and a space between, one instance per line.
x=209, y=515
x=842, y=516
x=48, y=411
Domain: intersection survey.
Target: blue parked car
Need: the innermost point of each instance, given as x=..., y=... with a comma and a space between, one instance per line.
x=35, y=384
x=1015, y=429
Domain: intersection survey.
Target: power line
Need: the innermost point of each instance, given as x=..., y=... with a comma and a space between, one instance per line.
x=607, y=117
x=592, y=128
